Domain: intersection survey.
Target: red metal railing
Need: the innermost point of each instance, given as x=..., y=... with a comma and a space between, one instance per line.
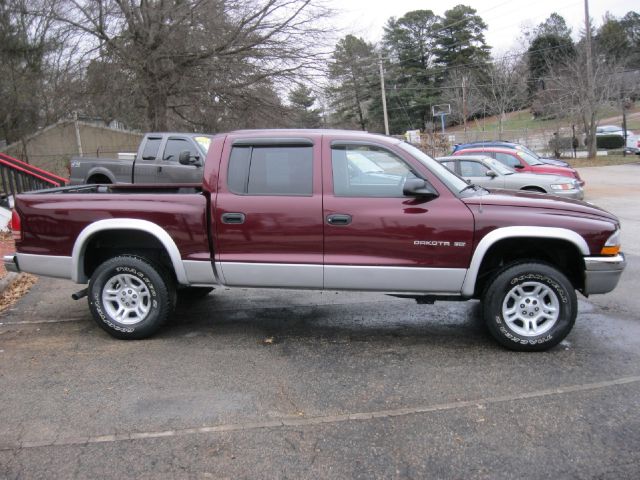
x=17, y=176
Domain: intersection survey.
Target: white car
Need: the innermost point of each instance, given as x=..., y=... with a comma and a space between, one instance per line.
x=633, y=140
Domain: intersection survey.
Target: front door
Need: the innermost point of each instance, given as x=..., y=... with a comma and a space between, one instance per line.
x=268, y=213
x=378, y=239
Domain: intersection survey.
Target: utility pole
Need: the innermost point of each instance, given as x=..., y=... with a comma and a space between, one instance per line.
x=590, y=93
x=384, y=97
x=465, y=112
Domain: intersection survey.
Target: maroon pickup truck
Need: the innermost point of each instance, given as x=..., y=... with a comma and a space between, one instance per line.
x=322, y=209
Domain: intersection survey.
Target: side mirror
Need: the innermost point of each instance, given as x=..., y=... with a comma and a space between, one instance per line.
x=416, y=187
x=491, y=173
x=185, y=158
x=518, y=166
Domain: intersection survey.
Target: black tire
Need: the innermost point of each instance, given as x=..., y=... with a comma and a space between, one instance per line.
x=147, y=289
x=531, y=325
x=193, y=293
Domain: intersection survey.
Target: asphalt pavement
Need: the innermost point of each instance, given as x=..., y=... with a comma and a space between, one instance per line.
x=291, y=384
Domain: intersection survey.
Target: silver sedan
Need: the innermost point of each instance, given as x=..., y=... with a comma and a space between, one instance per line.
x=489, y=173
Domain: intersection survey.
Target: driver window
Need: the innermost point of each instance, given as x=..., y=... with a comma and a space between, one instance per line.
x=368, y=171
x=175, y=146
x=472, y=169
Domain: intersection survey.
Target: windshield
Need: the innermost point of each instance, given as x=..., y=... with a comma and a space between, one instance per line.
x=204, y=143
x=530, y=159
x=454, y=182
x=498, y=167
x=522, y=148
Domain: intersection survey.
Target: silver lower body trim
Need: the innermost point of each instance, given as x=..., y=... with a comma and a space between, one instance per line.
x=394, y=279
x=199, y=272
x=271, y=275
x=602, y=273
x=46, y=265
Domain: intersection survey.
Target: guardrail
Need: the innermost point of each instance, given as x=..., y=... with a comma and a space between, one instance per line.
x=17, y=176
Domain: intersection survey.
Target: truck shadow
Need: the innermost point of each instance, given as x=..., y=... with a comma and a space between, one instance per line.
x=277, y=320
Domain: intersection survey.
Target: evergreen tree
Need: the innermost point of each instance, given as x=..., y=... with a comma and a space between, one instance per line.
x=352, y=71
x=302, y=101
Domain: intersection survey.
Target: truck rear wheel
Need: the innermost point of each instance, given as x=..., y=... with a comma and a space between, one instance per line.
x=530, y=306
x=130, y=297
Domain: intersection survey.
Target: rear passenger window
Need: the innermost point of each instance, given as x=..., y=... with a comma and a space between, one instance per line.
x=267, y=170
x=151, y=148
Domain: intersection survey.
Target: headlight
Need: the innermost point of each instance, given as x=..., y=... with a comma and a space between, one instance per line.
x=612, y=245
x=563, y=186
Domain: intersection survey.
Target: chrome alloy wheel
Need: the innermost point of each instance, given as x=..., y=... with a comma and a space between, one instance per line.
x=126, y=299
x=531, y=309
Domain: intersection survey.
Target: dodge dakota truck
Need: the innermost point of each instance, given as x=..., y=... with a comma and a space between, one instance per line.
x=161, y=158
x=322, y=209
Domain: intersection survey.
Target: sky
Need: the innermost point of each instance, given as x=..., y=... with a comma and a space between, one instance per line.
x=505, y=18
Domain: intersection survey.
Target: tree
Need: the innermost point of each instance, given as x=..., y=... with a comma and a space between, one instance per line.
x=166, y=48
x=23, y=47
x=506, y=87
x=302, y=101
x=410, y=43
x=573, y=96
x=551, y=44
x=461, y=39
x=620, y=38
x=351, y=72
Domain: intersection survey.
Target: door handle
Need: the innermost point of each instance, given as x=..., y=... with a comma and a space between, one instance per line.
x=159, y=169
x=339, y=219
x=233, y=218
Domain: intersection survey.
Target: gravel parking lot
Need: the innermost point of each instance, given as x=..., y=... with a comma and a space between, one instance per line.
x=288, y=384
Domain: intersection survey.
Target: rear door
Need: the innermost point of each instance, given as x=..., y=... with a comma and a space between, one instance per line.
x=378, y=239
x=268, y=213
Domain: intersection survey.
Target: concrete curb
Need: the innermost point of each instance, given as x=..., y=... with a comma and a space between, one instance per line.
x=8, y=280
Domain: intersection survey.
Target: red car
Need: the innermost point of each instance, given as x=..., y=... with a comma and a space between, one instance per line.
x=522, y=161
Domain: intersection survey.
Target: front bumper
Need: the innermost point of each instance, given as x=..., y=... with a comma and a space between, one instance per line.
x=602, y=274
x=575, y=194
x=11, y=263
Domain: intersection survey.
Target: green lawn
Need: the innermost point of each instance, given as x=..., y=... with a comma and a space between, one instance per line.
x=523, y=119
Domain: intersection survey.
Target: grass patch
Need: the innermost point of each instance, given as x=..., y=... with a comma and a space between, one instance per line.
x=602, y=161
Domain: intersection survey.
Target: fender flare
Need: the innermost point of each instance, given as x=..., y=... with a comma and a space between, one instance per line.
x=77, y=257
x=469, y=284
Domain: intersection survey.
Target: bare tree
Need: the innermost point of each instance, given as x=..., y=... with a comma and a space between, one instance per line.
x=569, y=94
x=461, y=91
x=166, y=48
x=506, y=87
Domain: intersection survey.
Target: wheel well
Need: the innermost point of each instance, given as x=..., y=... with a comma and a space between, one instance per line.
x=534, y=189
x=110, y=243
x=99, y=178
x=561, y=254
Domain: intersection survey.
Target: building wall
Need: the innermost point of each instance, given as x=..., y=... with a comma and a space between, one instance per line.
x=53, y=147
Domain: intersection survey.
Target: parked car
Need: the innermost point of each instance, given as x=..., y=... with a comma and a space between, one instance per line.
x=490, y=173
x=161, y=158
x=521, y=161
x=283, y=209
x=505, y=144
x=633, y=140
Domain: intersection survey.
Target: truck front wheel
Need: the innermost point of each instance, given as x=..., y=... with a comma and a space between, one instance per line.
x=130, y=297
x=530, y=306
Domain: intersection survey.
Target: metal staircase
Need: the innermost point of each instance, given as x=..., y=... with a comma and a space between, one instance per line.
x=17, y=176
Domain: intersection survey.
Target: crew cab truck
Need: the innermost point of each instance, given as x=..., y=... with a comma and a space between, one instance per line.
x=322, y=209
x=161, y=158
